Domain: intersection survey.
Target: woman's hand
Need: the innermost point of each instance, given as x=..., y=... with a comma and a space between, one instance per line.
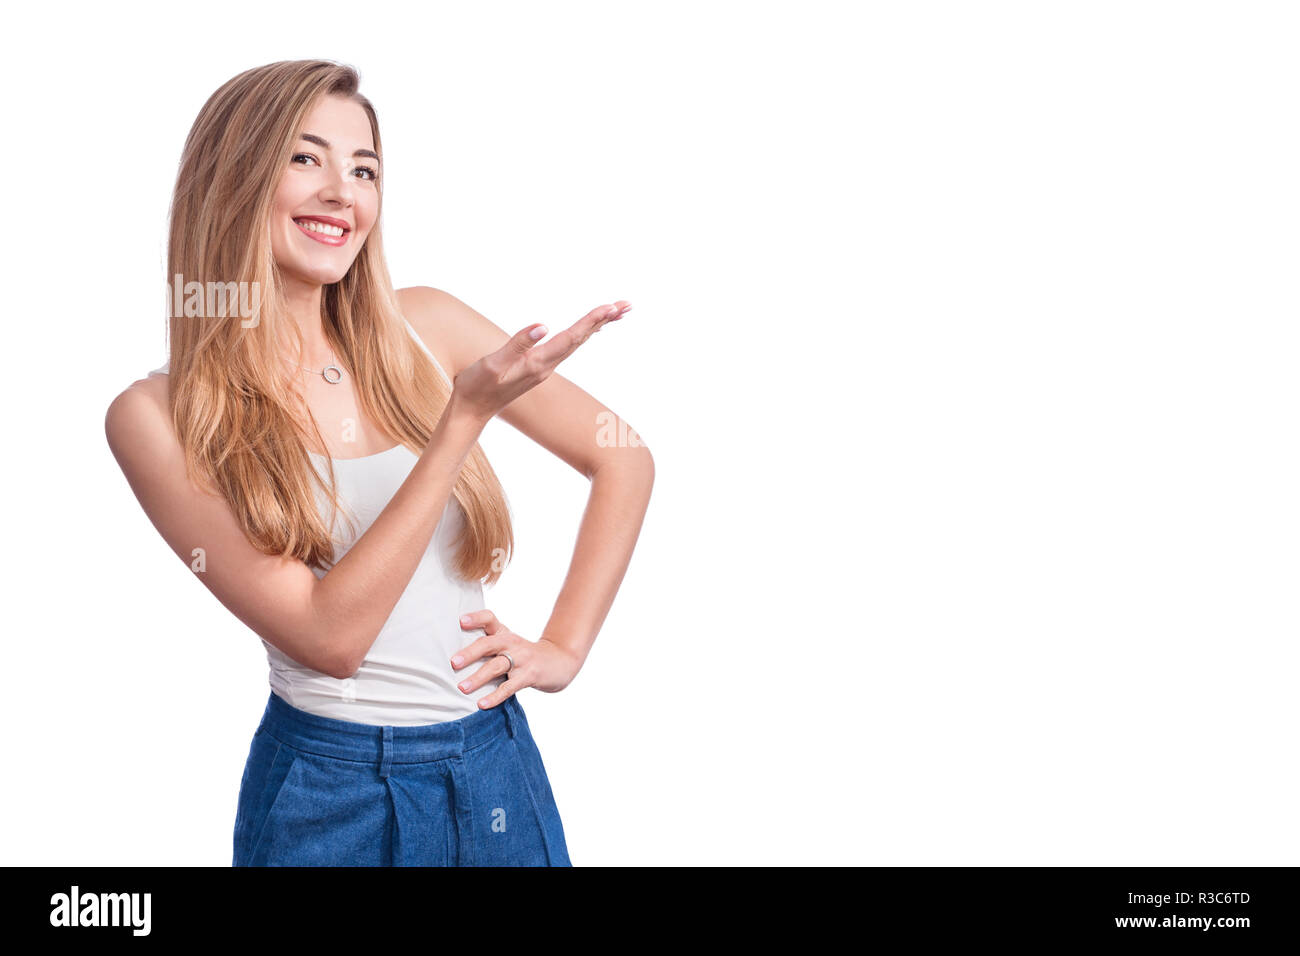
x=540, y=664
x=497, y=379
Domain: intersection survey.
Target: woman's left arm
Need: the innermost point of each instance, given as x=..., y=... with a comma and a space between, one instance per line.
x=620, y=493
x=578, y=429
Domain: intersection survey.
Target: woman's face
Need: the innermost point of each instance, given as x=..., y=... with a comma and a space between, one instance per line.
x=328, y=187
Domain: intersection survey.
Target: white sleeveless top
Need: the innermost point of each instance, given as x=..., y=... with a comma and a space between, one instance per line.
x=406, y=677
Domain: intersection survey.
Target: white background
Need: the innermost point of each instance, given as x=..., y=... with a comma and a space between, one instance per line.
x=964, y=337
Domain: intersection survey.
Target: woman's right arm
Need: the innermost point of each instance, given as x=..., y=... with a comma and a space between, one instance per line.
x=327, y=623
x=322, y=623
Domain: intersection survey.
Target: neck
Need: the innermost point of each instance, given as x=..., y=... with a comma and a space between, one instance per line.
x=303, y=300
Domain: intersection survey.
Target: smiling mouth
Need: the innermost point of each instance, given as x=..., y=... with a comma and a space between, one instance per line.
x=323, y=232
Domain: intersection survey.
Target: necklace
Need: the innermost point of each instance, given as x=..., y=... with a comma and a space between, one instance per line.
x=324, y=373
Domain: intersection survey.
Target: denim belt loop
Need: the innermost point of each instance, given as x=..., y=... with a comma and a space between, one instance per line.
x=386, y=763
x=506, y=707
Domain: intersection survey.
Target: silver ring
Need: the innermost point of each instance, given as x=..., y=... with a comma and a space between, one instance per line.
x=510, y=659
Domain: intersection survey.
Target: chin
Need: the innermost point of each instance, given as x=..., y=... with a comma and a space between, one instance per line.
x=316, y=273
x=322, y=276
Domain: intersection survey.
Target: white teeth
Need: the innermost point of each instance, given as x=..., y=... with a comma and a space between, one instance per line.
x=312, y=226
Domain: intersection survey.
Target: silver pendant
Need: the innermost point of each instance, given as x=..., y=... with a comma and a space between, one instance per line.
x=337, y=371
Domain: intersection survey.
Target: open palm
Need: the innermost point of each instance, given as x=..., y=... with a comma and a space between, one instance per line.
x=497, y=379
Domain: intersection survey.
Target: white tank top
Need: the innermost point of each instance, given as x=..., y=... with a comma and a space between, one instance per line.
x=406, y=677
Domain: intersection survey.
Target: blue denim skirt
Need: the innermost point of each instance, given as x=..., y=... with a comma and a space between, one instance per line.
x=323, y=792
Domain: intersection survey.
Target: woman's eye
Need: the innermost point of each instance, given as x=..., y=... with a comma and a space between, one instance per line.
x=371, y=174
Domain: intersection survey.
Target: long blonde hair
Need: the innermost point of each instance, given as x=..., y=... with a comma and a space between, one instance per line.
x=232, y=406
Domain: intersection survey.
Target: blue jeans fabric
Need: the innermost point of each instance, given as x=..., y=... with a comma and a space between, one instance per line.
x=323, y=792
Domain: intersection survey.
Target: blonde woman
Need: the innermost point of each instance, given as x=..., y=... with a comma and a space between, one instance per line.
x=310, y=450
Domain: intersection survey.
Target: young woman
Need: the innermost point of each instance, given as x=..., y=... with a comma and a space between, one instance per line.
x=304, y=451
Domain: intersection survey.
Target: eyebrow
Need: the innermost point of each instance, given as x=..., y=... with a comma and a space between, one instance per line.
x=321, y=141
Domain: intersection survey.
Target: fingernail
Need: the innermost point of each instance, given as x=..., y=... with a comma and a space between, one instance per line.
x=537, y=333
x=455, y=661
x=464, y=619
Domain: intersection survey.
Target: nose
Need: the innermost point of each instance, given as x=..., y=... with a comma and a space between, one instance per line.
x=340, y=189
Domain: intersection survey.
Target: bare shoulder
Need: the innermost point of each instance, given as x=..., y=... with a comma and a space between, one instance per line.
x=139, y=416
x=425, y=308
x=457, y=334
